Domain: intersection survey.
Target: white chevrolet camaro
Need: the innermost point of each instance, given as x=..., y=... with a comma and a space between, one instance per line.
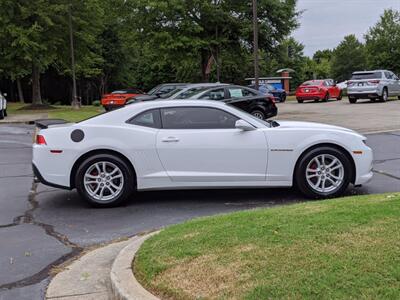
x=195, y=144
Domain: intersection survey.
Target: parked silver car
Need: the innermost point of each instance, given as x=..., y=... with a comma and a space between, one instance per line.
x=3, y=106
x=378, y=84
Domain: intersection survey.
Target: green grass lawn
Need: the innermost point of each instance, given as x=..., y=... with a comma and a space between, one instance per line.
x=59, y=112
x=345, y=248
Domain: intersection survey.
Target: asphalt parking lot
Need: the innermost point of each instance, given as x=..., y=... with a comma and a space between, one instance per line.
x=41, y=227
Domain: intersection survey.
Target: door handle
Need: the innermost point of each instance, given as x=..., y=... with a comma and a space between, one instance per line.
x=170, y=139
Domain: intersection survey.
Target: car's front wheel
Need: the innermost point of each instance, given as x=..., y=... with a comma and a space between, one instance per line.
x=326, y=98
x=1, y=114
x=352, y=100
x=104, y=180
x=323, y=172
x=5, y=112
x=340, y=97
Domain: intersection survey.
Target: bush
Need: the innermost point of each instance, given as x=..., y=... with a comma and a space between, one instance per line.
x=96, y=103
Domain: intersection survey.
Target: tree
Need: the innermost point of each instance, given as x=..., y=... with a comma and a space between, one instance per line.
x=383, y=42
x=179, y=31
x=348, y=57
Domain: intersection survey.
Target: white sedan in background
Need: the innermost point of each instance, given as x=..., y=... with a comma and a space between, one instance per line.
x=195, y=144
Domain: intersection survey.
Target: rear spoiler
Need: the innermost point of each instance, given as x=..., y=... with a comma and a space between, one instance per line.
x=45, y=123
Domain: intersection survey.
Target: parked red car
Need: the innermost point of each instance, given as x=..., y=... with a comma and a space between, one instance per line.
x=318, y=90
x=119, y=98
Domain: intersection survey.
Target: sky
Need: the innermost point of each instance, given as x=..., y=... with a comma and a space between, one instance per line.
x=324, y=23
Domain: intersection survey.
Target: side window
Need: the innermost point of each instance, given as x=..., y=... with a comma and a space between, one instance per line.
x=248, y=93
x=218, y=94
x=236, y=92
x=196, y=118
x=388, y=75
x=150, y=118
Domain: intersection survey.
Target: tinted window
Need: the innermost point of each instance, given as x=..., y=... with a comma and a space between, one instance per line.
x=218, y=94
x=313, y=82
x=150, y=118
x=196, y=118
x=369, y=75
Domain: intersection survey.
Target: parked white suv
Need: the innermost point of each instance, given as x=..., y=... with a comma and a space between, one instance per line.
x=378, y=84
x=3, y=106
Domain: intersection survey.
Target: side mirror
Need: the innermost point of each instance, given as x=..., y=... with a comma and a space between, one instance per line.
x=243, y=125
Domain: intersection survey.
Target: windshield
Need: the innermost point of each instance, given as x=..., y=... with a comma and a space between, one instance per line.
x=191, y=92
x=371, y=75
x=171, y=93
x=153, y=90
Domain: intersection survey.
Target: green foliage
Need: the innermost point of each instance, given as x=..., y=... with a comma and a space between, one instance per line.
x=96, y=103
x=383, y=42
x=347, y=58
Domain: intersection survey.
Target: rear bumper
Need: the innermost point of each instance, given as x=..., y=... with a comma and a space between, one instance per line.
x=362, y=95
x=271, y=113
x=40, y=178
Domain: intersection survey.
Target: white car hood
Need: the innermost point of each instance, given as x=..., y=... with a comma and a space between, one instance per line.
x=312, y=125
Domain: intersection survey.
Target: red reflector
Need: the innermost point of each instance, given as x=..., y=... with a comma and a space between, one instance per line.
x=56, y=151
x=40, y=140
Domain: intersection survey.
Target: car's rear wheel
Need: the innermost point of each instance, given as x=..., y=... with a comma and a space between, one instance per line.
x=104, y=180
x=1, y=114
x=385, y=95
x=259, y=114
x=5, y=113
x=300, y=101
x=283, y=98
x=352, y=100
x=107, y=108
x=340, y=97
x=323, y=172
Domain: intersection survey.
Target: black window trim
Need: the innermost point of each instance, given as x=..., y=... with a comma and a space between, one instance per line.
x=195, y=106
x=129, y=121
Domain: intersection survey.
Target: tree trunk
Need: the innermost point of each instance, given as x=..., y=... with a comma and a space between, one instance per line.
x=20, y=92
x=204, y=62
x=36, y=96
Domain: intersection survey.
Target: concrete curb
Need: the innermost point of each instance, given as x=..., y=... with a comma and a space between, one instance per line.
x=124, y=285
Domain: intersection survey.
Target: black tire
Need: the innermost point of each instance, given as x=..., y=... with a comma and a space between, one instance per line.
x=259, y=114
x=5, y=113
x=398, y=97
x=300, y=172
x=340, y=96
x=283, y=98
x=352, y=100
x=106, y=108
x=326, y=98
x=385, y=95
x=128, y=185
x=1, y=114
x=300, y=101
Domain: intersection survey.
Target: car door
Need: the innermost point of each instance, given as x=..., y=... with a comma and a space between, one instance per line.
x=201, y=144
x=396, y=83
x=390, y=83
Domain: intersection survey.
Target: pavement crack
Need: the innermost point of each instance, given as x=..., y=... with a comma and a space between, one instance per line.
x=16, y=176
x=386, y=174
x=380, y=161
x=29, y=218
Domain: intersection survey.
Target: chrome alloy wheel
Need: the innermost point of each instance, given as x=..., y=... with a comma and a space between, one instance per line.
x=325, y=173
x=103, y=181
x=258, y=115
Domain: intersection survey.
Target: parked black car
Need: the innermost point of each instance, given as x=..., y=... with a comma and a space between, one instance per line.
x=245, y=98
x=160, y=91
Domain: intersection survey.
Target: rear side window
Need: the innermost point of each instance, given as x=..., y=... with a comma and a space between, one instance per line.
x=369, y=75
x=150, y=118
x=197, y=118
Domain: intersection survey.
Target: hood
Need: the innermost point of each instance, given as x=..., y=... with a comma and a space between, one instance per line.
x=312, y=125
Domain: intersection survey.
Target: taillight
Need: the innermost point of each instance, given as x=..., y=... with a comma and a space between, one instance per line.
x=40, y=140
x=374, y=81
x=272, y=99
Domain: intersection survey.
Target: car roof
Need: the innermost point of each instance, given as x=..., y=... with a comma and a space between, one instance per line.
x=372, y=71
x=128, y=111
